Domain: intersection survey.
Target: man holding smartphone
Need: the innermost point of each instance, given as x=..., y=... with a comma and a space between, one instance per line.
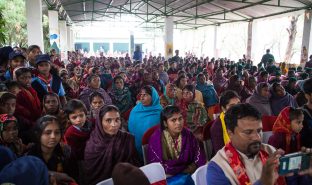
x=245, y=160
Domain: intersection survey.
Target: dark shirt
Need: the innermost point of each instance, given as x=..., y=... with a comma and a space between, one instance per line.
x=306, y=132
x=217, y=135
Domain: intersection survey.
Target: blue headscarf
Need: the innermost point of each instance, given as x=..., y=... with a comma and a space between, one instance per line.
x=144, y=117
x=25, y=170
x=210, y=95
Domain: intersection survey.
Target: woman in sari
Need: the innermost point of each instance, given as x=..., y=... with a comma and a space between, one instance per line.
x=169, y=97
x=280, y=99
x=107, y=146
x=121, y=95
x=181, y=82
x=219, y=80
x=144, y=115
x=194, y=114
x=175, y=148
x=261, y=99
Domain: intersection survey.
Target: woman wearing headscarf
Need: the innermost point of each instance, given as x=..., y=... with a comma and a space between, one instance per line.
x=121, y=95
x=235, y=84
x=280, y=98
x=144, y=115
x=51, y=105
x=218, y=80
x=175, y=148
x=170, y=96
x=261, y=99
x=94, y=84
x=194, y=114
x=210, y=95
x=181, y=82
x=107, y=146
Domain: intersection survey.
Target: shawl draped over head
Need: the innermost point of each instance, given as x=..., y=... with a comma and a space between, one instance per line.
x=104, y=151
x=261, y=103
x=121, y=98
x=209, y=93
x=85, y=96
x=219, y=82
x=283, y=125
x=279, y=103
x=191, y=153
x=144, y=117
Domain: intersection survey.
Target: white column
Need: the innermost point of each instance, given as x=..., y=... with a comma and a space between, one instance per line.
x=91, y=48
x=215, y=42
x=54, y=30
x=169, y=37
x=70, y=41
x=307, y=36
x=63, y=39
x=34, y=23
x=249, y=40
x=131, y=50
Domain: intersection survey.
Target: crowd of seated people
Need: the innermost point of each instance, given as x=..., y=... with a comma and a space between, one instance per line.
x=79, y=120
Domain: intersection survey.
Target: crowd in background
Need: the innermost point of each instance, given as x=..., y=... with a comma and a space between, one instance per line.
x=82, y=118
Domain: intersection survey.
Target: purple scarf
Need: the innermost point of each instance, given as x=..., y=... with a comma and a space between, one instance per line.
x=190, y=153
x=103, y=152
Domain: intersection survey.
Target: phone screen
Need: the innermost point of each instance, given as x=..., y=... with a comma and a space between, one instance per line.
x=293, y=163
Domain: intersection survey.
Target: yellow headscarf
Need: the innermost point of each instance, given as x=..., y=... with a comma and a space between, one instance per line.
x=226, y=137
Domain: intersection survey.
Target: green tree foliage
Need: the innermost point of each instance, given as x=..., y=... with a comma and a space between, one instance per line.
x=2, y=27
x=15, y=27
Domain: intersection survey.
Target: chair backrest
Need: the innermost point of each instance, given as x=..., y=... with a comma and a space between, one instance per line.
x=106, y=182
x=145, y=140
x=207, y=141
x=154, y=172
x=199, y=176
x=268, y=122
x=206, y=131
x=148, y=134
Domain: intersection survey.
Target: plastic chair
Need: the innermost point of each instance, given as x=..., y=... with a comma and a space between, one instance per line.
x=267, y=123
x=199, y=176
x=106, y=182
x=207, y=140
x=145, y=140
x=154, y=172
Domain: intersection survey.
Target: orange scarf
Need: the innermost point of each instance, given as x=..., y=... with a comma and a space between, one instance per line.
x=282, y=125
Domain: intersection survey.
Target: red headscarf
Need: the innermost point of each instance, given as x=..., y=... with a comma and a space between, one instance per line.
x=282, y=125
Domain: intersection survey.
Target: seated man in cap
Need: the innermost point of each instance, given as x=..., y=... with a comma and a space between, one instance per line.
x=45, y=82
x=244, y=160
x=16, y=59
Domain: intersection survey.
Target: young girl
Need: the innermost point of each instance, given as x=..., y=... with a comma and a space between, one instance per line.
x=77, y=134
x=52, y=106
x=286, y=130
x=286, y=135
x=96, y=103
x=49, y=149
x=9, y=134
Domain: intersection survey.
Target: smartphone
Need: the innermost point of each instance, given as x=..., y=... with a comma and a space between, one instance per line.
x=293, y=163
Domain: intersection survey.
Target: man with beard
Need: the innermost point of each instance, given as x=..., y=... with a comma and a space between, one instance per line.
x=244, y=160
